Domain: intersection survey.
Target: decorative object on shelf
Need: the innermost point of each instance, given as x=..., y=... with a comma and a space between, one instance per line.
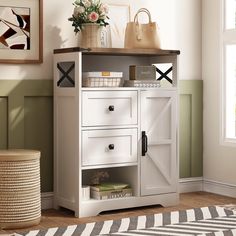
x=98, y=177
x=88, y=18
x=142, y=35
x=142, y=77
x=106, y=37
x=102, y=79
x=85, y=192
x=137, y=72
x=119, y=16
x=21, y=31
x=90, y=36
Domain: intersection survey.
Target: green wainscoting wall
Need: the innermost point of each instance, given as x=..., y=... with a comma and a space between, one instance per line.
x=26, y=121
x=191, y=128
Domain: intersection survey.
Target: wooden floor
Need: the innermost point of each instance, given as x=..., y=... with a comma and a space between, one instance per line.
x=52, y=218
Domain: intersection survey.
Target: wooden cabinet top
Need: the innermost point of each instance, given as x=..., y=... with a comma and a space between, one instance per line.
x=118, y=51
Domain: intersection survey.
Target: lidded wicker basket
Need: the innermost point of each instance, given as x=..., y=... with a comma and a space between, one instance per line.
x=20, y=203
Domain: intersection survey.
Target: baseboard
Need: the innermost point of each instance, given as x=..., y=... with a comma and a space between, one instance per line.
x=220, y=188
x=187, y=185
x=46, y=200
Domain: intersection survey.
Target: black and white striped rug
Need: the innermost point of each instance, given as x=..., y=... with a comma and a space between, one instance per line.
x=209, y=221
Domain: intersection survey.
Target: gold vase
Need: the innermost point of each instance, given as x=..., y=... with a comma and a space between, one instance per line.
x=90, y=36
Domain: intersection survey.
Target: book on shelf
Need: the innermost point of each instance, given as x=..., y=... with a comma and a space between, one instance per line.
x=142, y=83
x=109, y=186
x=110, y=194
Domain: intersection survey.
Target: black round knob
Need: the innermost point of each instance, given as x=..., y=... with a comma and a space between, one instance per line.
x=111, y=108
x=111, y=146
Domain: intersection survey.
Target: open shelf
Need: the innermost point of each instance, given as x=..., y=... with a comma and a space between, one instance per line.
x=126, y=174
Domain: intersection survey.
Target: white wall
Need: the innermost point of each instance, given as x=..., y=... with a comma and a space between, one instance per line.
x=219, y=161
x=179, y=21
x=189, y=38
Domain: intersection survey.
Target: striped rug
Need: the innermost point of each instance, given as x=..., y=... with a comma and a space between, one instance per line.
x=209, y=221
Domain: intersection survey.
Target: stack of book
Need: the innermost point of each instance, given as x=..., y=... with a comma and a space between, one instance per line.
x=142, y=83
x=105, y=191
x=142, y=77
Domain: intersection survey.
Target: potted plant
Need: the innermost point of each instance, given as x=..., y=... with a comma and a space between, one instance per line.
x=88, y=18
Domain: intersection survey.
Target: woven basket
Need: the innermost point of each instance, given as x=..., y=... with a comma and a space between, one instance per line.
x=20, y=203
x=102, y=82
x=90, y=35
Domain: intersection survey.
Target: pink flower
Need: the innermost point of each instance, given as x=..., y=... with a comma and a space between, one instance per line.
x=93, y=16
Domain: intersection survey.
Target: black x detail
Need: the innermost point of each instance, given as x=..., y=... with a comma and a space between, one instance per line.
x=65, y=74
x=164, y=75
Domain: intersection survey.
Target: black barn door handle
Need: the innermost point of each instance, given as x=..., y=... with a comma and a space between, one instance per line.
x=144, y=143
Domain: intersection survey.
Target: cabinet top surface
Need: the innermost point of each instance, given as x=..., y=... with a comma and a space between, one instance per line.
x=118, y=51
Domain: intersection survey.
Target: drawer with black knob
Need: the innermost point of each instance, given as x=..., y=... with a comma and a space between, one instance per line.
x=109, y=108
x=103, y=147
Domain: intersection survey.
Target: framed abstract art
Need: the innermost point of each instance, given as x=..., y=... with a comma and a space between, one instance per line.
x=21, y=31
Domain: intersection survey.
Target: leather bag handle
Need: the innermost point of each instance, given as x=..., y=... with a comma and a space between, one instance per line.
x=137, y=25
x=145, y=10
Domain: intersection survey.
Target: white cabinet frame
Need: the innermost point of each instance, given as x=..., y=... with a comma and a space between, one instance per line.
x=69, y=126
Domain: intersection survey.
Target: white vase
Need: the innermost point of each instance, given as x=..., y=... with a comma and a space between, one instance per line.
x=90, y=36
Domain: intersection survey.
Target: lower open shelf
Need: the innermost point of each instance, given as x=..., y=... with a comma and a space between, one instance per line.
x=109, y=183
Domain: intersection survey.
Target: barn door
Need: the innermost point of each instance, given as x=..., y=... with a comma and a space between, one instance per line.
x=159, y=142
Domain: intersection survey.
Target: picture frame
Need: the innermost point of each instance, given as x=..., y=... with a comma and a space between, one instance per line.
x=21, y=31
x=119, y=16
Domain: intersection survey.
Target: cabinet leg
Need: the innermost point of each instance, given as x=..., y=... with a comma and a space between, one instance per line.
x=77, y=214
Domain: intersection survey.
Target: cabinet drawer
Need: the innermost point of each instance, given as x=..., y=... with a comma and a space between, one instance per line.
x=107, y=108
x=103, y=147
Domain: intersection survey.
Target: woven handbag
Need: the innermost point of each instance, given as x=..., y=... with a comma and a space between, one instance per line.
x=142, y=35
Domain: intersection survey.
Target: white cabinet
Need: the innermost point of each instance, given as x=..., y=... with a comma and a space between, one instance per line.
x=130, y=133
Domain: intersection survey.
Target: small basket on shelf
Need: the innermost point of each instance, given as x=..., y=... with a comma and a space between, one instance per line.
x=102, y=79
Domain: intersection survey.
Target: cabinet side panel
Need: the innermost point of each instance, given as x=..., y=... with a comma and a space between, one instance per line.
x=65, y=150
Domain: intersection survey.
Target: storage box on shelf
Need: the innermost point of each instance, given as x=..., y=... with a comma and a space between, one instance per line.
x=102, y=79
x=130, y=132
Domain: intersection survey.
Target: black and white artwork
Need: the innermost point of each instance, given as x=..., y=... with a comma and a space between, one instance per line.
x=21, y=31
x=14, y=28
